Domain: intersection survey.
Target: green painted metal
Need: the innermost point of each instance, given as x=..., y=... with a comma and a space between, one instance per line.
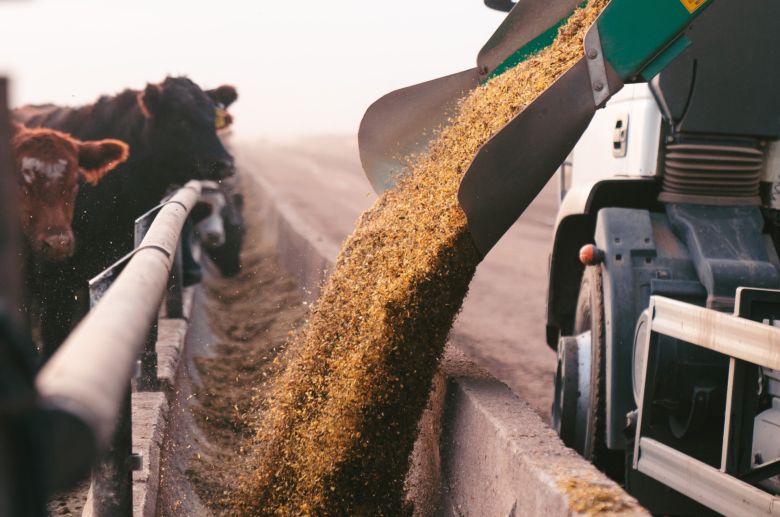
x=634, y=33
x=665, y=58
x=534, y=46
x=638, y=37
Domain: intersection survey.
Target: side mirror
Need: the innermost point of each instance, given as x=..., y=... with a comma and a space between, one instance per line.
x=500, y=5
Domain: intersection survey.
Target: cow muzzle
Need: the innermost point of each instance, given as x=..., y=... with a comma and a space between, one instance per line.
x=211, y=232
x=214, y=239
x=56, y=246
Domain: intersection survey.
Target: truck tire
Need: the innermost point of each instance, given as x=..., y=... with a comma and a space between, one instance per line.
x=589, y=316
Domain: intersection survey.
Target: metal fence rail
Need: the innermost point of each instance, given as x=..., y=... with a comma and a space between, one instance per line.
x=85, y=385
x=89, y=373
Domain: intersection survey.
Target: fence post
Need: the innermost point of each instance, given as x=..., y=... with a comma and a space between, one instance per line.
x=10, y=234
x=174, y=298
x=112, y=475
x=147, y=380
x=22, y=485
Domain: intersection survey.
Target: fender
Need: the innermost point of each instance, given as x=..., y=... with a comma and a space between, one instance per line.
x=574, y=228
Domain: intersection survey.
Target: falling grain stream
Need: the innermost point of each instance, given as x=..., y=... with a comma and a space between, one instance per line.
x=327, y=425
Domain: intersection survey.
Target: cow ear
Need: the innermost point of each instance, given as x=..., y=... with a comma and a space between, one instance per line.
x=150, y=99
x=96, y=158
x=224, y=95
x=238, y=199
x=16, y=128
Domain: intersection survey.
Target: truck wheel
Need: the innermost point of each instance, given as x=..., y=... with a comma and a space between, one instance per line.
x=589, y=319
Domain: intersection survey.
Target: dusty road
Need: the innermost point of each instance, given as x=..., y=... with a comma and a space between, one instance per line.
x=502, y=323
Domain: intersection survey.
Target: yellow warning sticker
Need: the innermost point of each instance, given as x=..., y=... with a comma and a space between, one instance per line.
x=693, y=5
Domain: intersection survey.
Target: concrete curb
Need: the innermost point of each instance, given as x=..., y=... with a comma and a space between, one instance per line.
x=482, y=451
x=150, y=422
x=530, y=472
x=150, y=414
x=170, y=338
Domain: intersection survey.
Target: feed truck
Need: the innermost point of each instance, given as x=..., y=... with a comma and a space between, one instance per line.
x=664, y=280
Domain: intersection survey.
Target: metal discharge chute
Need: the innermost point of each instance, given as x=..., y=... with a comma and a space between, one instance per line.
x=632, y=40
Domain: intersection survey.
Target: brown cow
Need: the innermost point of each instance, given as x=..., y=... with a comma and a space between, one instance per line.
x=49, y=166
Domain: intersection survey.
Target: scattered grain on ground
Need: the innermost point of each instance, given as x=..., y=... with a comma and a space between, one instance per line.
x=251, y=316
x=593, y=498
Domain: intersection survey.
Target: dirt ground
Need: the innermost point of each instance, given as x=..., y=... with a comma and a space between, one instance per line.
x=251, y=317
x=501, y=326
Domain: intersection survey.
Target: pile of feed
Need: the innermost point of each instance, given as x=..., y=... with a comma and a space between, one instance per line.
x=336, y=435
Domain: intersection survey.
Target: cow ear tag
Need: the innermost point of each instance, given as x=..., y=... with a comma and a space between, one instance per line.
x=221, y=117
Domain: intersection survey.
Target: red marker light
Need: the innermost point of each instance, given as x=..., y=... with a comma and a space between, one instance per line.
x=590, y=255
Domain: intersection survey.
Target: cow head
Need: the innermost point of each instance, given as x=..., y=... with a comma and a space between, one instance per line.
x=227, y=256
x=210, y=228
x=181, y=128
x=49, y=167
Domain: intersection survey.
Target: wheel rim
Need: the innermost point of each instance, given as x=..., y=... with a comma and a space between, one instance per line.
x=583, y=426
x=572, y=390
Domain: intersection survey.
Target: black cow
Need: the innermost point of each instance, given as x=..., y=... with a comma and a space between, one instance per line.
x=172, y=133
x=218, y=226
x=227, y=256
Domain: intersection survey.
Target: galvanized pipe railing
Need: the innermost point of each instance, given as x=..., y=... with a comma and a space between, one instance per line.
x=88, y=377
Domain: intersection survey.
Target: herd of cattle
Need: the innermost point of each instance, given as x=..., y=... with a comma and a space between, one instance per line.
x=85, y=174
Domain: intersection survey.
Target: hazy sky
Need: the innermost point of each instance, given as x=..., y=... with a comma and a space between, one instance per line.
x=301, y=67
